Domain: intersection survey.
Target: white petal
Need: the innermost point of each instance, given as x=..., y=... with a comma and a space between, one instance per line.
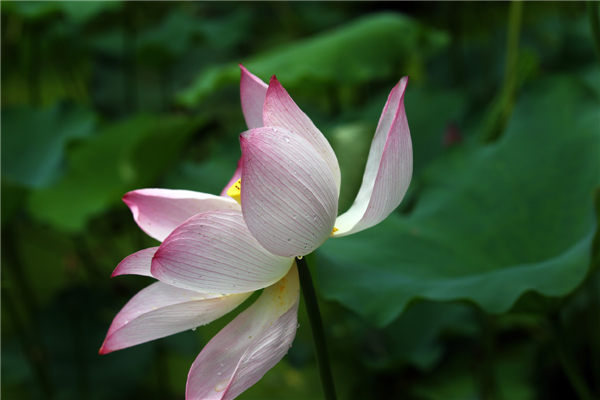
x=388, y=171
x=136, y=264
x=215, y=252
x=288, y=195
x=256, y=340
x=159, y=211
x=281, y=110
x=161, y=310
x=252, y=92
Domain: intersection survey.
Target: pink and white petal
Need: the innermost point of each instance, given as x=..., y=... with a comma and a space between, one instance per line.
x=161, y=310
x=256, y=340
x=159, y=211
x=388, y=171
x=281, y=110
x=214, y=252
x=136, y=264
x=236, y=176
x=288, y=194
x=252, y=92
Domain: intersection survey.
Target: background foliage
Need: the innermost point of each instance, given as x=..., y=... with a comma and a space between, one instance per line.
x=483, y=285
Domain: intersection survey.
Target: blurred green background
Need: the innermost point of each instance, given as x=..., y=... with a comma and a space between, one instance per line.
x=484, y=284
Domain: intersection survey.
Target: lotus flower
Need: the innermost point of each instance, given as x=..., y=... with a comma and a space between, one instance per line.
x=281, y=203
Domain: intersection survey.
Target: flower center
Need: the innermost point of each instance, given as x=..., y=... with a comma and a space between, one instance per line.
x=235, y=190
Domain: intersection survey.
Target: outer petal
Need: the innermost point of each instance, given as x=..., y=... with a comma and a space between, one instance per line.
x=281, y=110
x=215, y=252
x=159, y=211
x=161, y=310
x=289, y=197
x=236, y=176
x=136, y=264
x=388, y=171
x=252, y=92
x=256, y=340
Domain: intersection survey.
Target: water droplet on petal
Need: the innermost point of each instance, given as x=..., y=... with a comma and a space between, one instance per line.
x=289, y=239
x=194, y=328
x=218, y=373
x=299, y=257
x=297, y=326
x=221, y=385
x=221, y=364
x=287, y=139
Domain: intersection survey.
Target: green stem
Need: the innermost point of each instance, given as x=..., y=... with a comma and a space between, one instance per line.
x=515, y=14
x=35, y=92
x=568, y=363
x=504, y=103
x=594, y=16
x=316, y=324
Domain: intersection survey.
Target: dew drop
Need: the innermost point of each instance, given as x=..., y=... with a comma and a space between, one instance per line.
x=289, y=239
x=194, y=328
x=297, y=326
x=287, y=139
x=294, y=172
x=221, y=385
x=299, y=257
x=218, y=373
x=221, y=364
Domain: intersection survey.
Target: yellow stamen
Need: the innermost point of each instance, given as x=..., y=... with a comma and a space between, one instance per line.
x=235, y=190
x=334, y=230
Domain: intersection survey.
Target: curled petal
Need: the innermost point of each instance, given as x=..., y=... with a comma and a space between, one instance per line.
x=250, y=345
x=215, y=252
x=161, y=310
x=136, y=264
x=281, y=110
x=159, y=211
x=236, y=176
x=288, y=194
x=252, y=92
x=388, y=171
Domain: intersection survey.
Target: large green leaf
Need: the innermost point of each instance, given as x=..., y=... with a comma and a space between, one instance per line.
x=501, y=220
x=370, y=48
x=124, y=156
x=33, y=141
x=512, y=370
x=414, y=337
